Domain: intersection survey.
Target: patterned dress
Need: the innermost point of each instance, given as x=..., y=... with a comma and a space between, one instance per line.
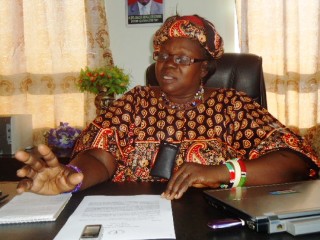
x=227, y=125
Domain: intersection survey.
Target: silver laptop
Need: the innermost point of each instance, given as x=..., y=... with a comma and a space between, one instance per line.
x=290, y=207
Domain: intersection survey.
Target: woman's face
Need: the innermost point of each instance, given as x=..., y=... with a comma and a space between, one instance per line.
x=180, y=82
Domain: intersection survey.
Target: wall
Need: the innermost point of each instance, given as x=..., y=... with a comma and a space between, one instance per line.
x=132, y=46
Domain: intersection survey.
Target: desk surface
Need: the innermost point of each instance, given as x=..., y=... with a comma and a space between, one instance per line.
x=191, y=214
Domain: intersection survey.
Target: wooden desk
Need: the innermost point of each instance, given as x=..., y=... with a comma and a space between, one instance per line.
x=191, y=214
x=9, y=165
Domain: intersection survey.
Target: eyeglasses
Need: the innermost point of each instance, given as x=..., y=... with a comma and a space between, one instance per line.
x=181, y=60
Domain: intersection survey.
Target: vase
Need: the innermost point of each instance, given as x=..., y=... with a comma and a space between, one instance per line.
x=103, y=100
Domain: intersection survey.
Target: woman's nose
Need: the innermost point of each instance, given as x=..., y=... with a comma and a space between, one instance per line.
x=170, y=61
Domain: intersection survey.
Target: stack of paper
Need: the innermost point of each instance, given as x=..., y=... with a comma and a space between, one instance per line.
x=30, y=207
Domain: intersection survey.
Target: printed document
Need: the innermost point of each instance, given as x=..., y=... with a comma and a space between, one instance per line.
x=122, y=218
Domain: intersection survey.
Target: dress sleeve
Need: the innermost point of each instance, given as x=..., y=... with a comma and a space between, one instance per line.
x=108, y=131
x=257, y=132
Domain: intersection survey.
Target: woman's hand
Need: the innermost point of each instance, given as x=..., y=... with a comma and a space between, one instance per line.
x=274, y=167
x=196, y=175
x=44, y=174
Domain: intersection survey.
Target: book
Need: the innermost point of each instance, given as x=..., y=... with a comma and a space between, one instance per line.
x=31, y=207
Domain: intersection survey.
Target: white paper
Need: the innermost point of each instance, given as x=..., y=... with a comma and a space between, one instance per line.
x=122, y=217
x=31, y=207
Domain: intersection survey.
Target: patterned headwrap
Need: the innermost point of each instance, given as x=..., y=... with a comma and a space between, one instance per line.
x=193, y=27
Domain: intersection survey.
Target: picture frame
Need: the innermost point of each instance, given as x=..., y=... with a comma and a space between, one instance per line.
x=144, y=12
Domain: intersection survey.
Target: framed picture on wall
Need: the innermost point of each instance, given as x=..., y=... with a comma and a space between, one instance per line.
x=144, y=12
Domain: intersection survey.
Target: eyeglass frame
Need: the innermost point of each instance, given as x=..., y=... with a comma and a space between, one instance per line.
x=174, y=56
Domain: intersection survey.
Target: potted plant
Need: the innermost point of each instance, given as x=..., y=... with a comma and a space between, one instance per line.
x=105, y=82
x=111, y=79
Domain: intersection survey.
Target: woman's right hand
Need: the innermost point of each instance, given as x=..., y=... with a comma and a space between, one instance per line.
x=43, y=174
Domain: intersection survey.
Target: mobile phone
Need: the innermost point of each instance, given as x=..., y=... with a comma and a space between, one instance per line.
x=93, y=232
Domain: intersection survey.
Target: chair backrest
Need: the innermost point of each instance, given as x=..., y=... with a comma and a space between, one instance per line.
x=241, y=71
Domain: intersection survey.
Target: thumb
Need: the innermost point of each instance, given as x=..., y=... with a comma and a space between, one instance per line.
x=75, y=178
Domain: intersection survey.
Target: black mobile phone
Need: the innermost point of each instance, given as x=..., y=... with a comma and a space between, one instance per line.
x=93, y=232
x=165, y=159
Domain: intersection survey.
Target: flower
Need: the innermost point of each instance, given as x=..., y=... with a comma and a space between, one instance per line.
x=63, y=136
x=113, y=78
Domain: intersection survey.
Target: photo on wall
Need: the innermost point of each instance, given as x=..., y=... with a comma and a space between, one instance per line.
x=144, y=12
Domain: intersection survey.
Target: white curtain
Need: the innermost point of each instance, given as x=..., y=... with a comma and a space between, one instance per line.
x=43, y=46
x=286, y=34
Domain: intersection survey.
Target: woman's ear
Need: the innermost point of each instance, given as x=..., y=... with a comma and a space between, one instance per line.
x=204, y=69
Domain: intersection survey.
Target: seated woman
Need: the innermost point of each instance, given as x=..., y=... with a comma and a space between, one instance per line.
x=223, y=137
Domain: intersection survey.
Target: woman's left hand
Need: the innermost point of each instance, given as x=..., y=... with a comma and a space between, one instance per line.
x=193, y=174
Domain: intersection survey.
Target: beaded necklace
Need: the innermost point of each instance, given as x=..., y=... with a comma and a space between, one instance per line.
x=197, y=99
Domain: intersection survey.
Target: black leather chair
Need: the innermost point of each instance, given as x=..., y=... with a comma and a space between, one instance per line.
x=241, y=71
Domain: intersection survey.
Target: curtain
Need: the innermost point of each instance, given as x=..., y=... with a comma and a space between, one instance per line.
x=43, y=46
x=286, y=35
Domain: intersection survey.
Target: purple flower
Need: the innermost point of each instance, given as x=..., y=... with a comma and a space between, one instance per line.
x=63, y=136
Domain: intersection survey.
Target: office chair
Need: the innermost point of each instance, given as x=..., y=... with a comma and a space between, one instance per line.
x=241, y=71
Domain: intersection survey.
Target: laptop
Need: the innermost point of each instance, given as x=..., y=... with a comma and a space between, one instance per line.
x=289, y=207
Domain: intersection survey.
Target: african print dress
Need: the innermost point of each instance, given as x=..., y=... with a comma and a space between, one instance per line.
x=227, y=125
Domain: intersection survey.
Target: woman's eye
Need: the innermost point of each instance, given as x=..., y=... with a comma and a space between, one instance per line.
x=163, y=56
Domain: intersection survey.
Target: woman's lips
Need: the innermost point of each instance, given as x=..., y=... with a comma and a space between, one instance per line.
x=168, y=78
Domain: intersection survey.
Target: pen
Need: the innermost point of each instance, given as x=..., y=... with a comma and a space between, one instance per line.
x=226, y=223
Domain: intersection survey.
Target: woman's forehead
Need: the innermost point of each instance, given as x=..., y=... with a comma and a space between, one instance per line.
x=182, y=44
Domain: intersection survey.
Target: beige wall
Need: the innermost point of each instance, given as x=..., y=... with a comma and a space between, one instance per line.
x=132, y=46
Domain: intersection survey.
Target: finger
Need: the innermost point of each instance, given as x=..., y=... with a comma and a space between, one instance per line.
x=70, y=182
x=180, y=193
x=28, y=159
x=181, y=185
x=174, y=188
x=49, y=157
x=173, y=180
x=75, y=178
x=199, y=185
x=26, y=171
x=24, y=185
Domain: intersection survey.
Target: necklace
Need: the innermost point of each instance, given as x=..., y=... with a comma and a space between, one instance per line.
x=197, y=99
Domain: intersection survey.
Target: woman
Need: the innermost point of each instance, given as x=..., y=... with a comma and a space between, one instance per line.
x=221, y=137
